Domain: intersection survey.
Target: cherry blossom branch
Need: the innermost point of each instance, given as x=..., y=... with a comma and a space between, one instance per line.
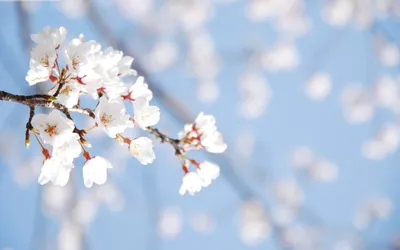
x=47, y=102
x=166, y=139
x=43, y=101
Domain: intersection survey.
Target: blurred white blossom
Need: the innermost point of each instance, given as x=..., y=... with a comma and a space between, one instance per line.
x=387, y=92
x=319, y=85
x=302, y=157
x=170, y=222
x=387, y=52
x=357, y=103
x=378, y=208
x=385, y=142
x=207, y=91
x=254, y=225
x=202, y=222
x=162, y=56
x=300, y=236
x=281, y=57
x=256, y=95
x=283, y=215
x=288, y=193
x=323, y=171
x=70, y=236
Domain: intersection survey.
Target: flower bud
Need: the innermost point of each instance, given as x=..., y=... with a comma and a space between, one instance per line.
x=27, y=143
x=27, y=139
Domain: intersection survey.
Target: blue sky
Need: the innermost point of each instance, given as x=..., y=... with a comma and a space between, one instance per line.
x=291, y=120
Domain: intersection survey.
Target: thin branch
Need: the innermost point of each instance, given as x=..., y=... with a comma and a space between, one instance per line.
x=29, y=126
x=31, y=114
x=60, y=85
x=164, y=138
x=38, y=100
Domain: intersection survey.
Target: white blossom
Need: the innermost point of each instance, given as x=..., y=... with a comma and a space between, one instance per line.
x=389, y=54
x=376, y=208
x=41, y=64
x=256, y=94
x=318, y=86
x=288, y=193
x=53, y=128
x=207, y=172
x=55, y=170
x=191, y=183
x=170, y=222
x=50, y=37
x=387, y=92
x=69, y=93
x=69, y=150
x=140, y=89
x=302, y=157
x=77, y=54
x=124, y=66
x=95, y=171
x=357, y=103
x=106, y=67
x=283, y=56
x=142, y=149
x=255, y=225
x=324, y=171
x=144, y=114
x=88, y=70
x=339, y=12
x=111, y=117
x=203, y=134
x=214, y=142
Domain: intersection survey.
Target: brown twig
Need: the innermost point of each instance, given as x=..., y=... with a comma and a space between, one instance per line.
x=60, y=85
x=166, y=139
x=44, y=101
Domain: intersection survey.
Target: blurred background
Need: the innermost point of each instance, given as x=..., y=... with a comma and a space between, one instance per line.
x=306, y=93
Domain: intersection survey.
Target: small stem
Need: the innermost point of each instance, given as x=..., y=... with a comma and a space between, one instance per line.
x=60, y=85
x=124, y=139
x=31, y=114
x=86, y=154
x=37, y=139
x=164, y=138
x=88, y=129
x=45, y=152
x=58, y=67
x=29, y=126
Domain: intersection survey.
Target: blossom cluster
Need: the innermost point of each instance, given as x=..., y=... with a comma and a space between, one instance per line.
x=100, y=74
x=202, y=134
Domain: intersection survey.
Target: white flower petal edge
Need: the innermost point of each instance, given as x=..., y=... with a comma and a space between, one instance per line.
x=53, y=128
x=145, y=115
x=56, y=171
x=203, y=133
x=70, y=150
x=95, y=171
x=41, y=64
x=142, y=149
x=50, y=37
x=111, y=117
x=207, y=172
x=191, y=183
x=140, y=90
